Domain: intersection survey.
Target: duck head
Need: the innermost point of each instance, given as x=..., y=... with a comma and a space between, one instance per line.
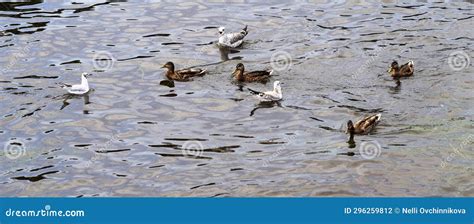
x=350, y=127
x=239, y=72
x=393, y=67
x=169, y=65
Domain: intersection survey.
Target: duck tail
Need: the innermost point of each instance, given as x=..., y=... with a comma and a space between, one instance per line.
x=245, y=28
x=270, y=72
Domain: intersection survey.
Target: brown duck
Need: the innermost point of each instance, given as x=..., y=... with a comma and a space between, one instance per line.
x=183, y=74
x=255, y=76
x=363, y=126
x=405, y=70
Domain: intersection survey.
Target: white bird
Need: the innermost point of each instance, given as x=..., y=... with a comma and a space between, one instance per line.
x=78, y=89
x=231, y=40
x=268, y=96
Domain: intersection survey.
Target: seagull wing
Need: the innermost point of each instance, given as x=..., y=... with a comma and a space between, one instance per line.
x=78, y=89
x=270, y=96
x=233, y=39
x=266, y=96
x=254, y=92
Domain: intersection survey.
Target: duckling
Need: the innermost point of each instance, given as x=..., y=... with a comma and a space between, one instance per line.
x=401, y=71
x=183, y=74
x=363, y=126
x=255, y=76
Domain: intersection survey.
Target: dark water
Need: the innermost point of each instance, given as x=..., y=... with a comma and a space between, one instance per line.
x=132, y=136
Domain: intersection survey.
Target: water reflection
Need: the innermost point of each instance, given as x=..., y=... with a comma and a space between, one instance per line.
x=224, y=52
x=18, y=6
x=265, y=105
x=396, y=89
x=351, y=142
x=325, y=45
x=67, y=97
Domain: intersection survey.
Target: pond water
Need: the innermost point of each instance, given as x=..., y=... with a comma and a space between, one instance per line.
x=131, y=136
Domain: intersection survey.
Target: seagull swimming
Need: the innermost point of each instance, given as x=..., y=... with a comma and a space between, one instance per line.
x=231, y=40
x=78, y=89
x=269, y=96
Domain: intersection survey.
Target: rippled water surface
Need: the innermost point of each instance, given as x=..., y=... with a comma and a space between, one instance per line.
x=131, y=136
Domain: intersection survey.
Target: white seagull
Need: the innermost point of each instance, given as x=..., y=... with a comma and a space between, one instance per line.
x=268, y=96
x=231, y=40
x=78, y=89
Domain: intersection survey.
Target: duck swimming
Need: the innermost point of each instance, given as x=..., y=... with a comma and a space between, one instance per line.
x=240, y=75
x=363, y=126
x=183, y=74
x=405, y=70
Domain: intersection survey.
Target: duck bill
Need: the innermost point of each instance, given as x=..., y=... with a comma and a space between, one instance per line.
x=390, y=70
